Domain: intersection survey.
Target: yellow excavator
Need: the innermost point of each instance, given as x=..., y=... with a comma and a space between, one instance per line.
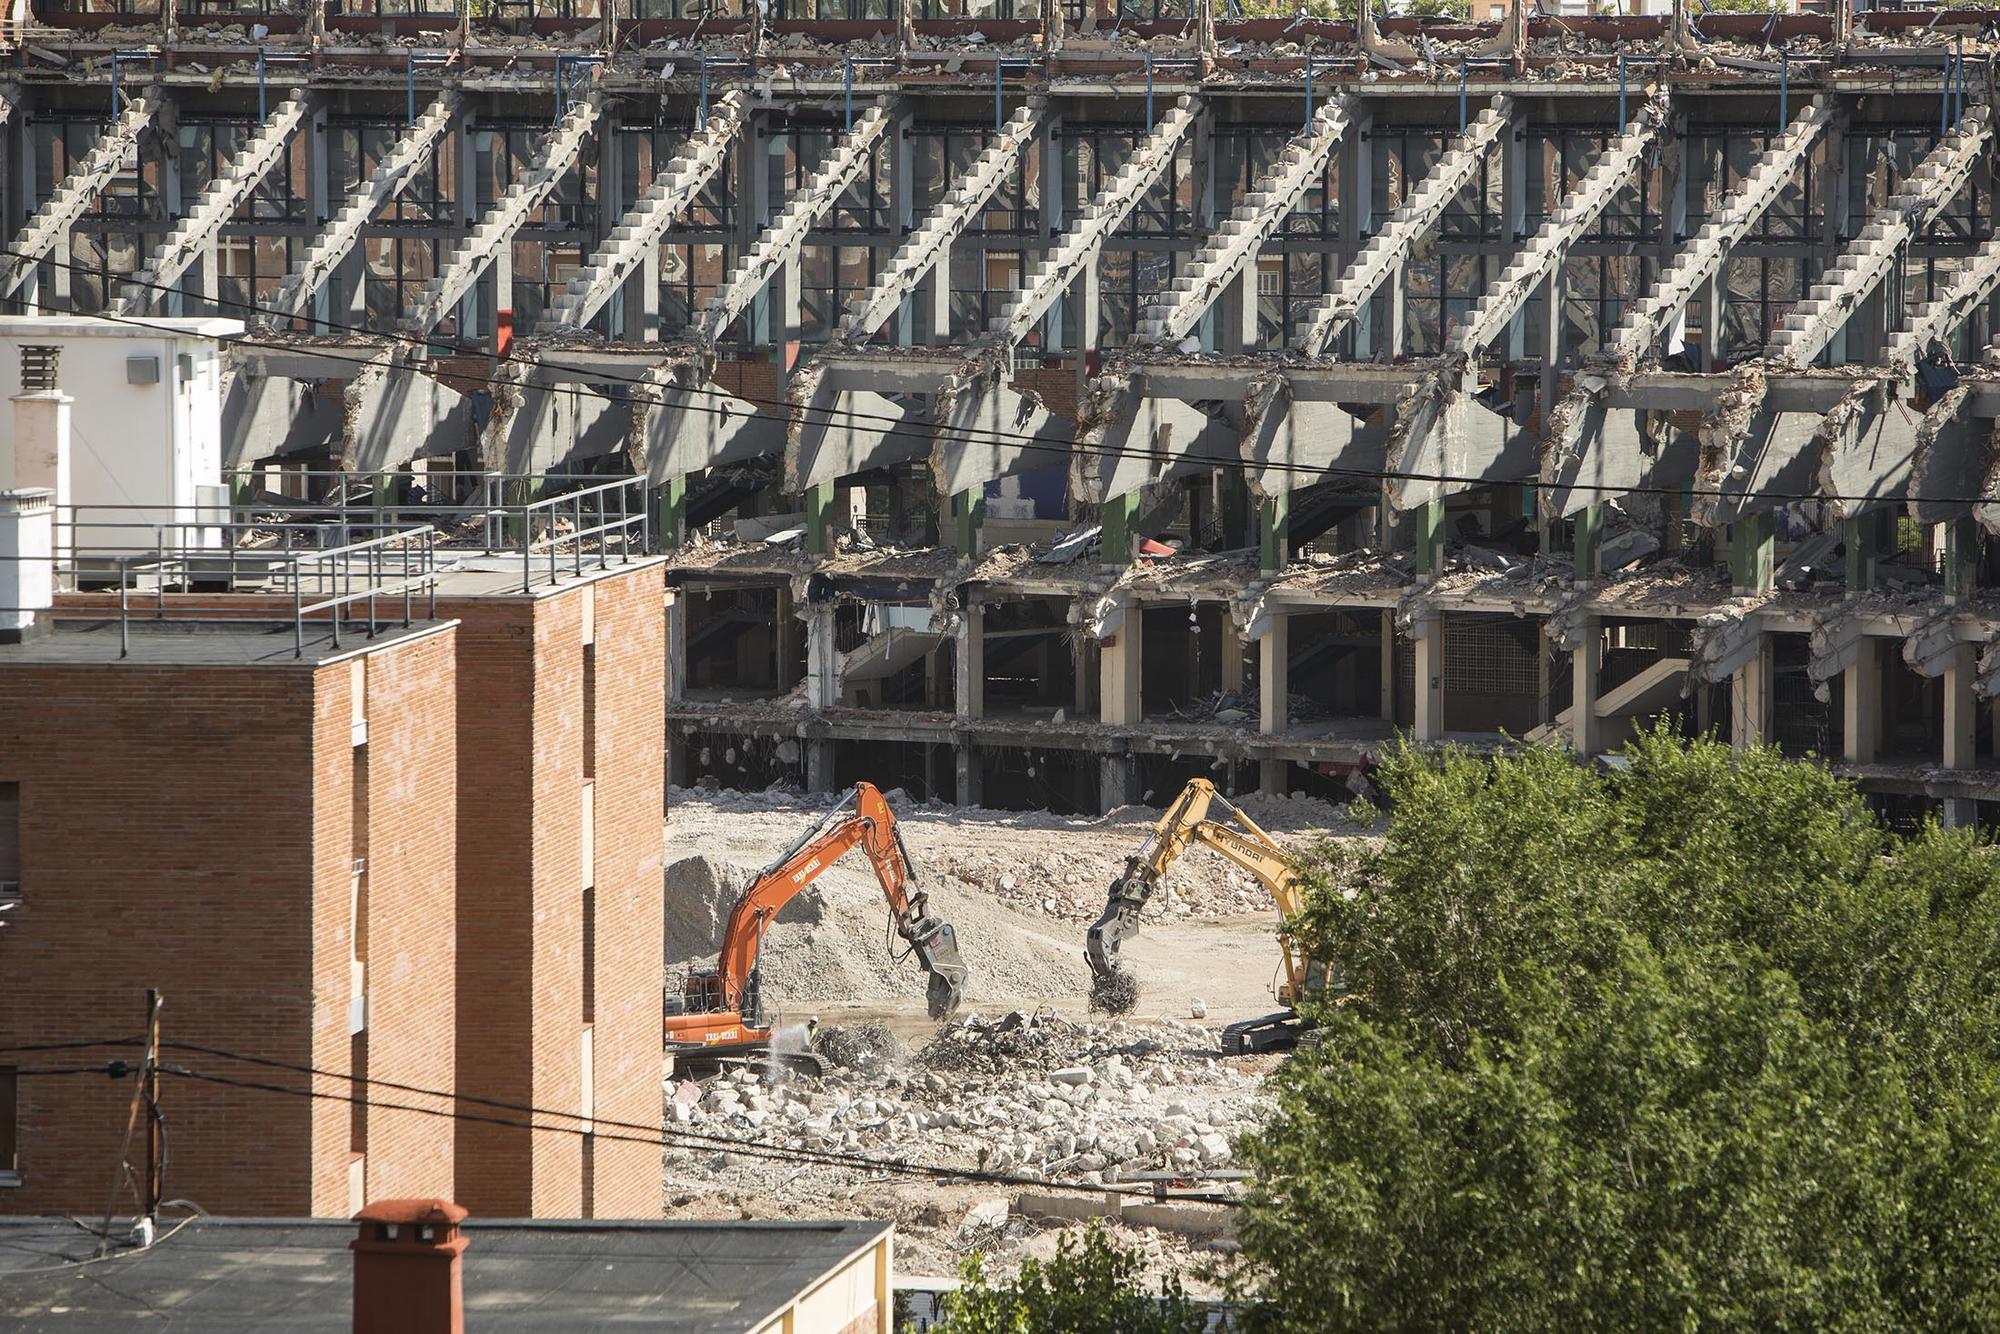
x=1188, y=822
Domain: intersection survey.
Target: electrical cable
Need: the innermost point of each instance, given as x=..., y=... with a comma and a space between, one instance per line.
x=663, y=1138
x=901, y=428
x=72, y=1046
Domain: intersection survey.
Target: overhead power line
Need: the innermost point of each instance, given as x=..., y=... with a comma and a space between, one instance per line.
x=899, y=428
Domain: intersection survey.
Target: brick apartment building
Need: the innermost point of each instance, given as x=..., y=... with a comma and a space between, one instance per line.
x=267, y=839
x=562, y=699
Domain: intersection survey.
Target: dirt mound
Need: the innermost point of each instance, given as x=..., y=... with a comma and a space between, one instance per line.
x=700, y=891
x=831, y=944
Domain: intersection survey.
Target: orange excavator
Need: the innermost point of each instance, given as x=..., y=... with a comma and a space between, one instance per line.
x=721, y=1012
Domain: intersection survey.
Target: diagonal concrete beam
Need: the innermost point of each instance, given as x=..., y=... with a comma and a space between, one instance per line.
x=1814, y=323
x=930, y=244
x=780, y=241
x=1077, y=247
x=673, y=191
x=60, y=211
x=1260, y=212
x=1705, y=252
x=472, y=256
x=392, y=175
x=216, y=206
x=1409, y=224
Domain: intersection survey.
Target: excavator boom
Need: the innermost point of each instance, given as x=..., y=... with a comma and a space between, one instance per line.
x=724, y=1007
x=1238, y=839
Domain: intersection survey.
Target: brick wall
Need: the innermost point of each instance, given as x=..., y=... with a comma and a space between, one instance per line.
x=188, y=828
x=631, y=732
x=522, y=882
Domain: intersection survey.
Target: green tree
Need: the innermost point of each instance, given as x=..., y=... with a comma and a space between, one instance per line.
x=1088, y=1288
x=1693, y=1045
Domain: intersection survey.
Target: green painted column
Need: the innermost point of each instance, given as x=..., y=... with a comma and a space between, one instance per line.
x=968, y=512
x=1589, y=536
x=1116, y=517
x=1857, y=540
x=1274, y=530
x=1429, y=521
x=1753, y=544
x=1235, y=505
x=819, y=508
x=671, y=529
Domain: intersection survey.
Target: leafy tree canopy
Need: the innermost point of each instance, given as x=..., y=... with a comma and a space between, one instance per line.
x=1092, y=1287
x=1691, y=1044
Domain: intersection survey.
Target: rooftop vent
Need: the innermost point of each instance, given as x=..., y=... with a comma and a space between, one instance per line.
x=40, y=366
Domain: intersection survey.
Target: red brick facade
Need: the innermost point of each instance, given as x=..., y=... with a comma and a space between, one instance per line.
x=524, y=946
x=194, y=829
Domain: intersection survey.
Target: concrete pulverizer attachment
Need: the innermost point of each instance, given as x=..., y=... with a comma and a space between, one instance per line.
x=1236, y=241
x=1412, y=220
x=472, y=256
x=216, y=206
x=392, y=175
x=638, y=233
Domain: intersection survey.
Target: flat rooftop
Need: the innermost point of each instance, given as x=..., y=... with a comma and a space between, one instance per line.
x=268, y=641
x=295, y=1276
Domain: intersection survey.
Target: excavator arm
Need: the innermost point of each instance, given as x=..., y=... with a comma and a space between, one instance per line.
x=863, y=821
x=1185, y=823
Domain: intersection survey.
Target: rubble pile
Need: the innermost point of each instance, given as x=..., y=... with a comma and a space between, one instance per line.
x=1012, y=856
x=1029, y=1094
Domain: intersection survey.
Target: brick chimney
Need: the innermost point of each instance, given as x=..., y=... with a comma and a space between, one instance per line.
x=406, y=1268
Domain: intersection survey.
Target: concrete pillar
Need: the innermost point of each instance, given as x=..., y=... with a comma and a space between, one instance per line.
x=1753, y=545
x=1052, y=213
x=1236, y=314
x=1961, y=558
x=676, y=614
x=1750, y=698
x=1121, y=660
x=1429, y=643
x=1117, y=782
x=1388, y=674
x=1589, y=530
x=1357, y=211
x=822, y=659
x=1961, y=709
x=819, y=765
x=1116, y=517
x=1274, y=675
x=1427, y=522
x=672, y=524
x=1274, y=518
x=1274, y=777
x=785, y=629
x=1585, y=661
x=969, y=663
x=1517, y=186
x=1232, y=654
x=968, y=511
x=965, y=769
x=40, y=456
x=465, y=198
x=818, y=501
x=1861, y=704
x=1858, y=544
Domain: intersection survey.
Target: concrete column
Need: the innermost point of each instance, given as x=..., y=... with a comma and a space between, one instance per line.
x=1961, y=558
x=965, y=768
x=1752, y=548
x=1357, y=211
x=639, y=301
x=1120, y=665
x=822, y=659
x=1274, y=675
x=1517, y=186
x=1427, y=521
x=1961, y=709
x=41, y=446
x=1053, y=205
x=1585, y=661
x=1116, y=516
x=1388, y=674
x=1232, y=654
x=818, y=501
x=1861, y=704
x=969, y=663
x=968, y=511
x=1589, y=532
x=1834, y=212
x=676, y=614
x=1750, y=698
x=1236, y=314
x=819, y=765
x=785, y=630
x=1430, y=680
x=466, y=197
x=1857, y=540
x=1117, y=782
x=1274, y=516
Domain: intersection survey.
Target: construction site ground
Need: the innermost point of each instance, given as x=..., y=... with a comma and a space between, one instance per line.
x=1025, y=1080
